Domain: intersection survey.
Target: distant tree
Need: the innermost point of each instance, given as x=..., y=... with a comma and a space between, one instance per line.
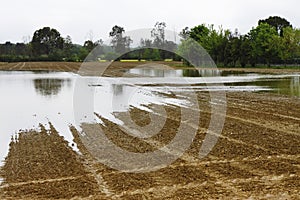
x=7, y=52
x=110, y=56
x=100, y=47
x=8, y=48
x=232, y=51
x=10, y=52
x=216, y=43
x=274, y=40
x=212, y=40
x=200, y=34
x=82, y=54
x=192, y=52
x=158, y=34
x=21, y=49
x=264, y=42
x=277, y=22
x=147, y=54
x=89, y=45
x=67, y=47
x=289, y=44
x=146, y=43
x=116, y=31
x=119, y=42
x=144, y=52
x=245, y=50
x=46, y=41
x=68, y=42
x=164, y=46
x=156, y=55
x=185, y=33
x=171, y=47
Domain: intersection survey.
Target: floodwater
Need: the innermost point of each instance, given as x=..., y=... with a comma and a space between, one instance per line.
x=29, y=98
x=236, y=81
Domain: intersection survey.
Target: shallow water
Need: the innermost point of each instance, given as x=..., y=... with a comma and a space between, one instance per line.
x=237, y=81
x=30, y=98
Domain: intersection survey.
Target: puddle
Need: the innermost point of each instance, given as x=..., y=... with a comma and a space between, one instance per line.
x=30, y=98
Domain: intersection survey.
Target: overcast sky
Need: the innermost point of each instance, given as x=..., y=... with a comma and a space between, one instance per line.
x=77, y=18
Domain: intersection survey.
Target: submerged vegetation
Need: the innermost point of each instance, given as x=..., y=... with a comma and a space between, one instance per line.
x=274, y=41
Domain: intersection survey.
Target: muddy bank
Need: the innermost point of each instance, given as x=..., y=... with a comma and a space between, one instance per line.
x=88, y=67
x=112, y=69
x=117, y=68
x=41, y=66
x=40, y=164
x=257, y=156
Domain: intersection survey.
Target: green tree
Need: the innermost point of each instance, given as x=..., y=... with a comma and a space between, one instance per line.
x=82, y=54
x=46, y=41
x=200, y=34
x=185, y=33
x=290, y=44
x=192, y=52
x=67, y=48
x=216, y=43
x=277, y=22
x=89, y=45
x=264, y=43
x=245, y=51
x=156, y=55
x=119, y=42
x=147, y=54
x=212, y=40
x=232, y=52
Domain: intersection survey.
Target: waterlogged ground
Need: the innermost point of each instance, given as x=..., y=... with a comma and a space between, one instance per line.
x=257, y=155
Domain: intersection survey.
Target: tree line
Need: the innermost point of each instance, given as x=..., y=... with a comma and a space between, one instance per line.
x=273, y=41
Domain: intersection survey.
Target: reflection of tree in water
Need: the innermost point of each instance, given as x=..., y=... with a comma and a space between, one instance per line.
x=295, y=86
x=286, y=86
x=191, y=73
x=200, y=72
x=117, y=89
x=48, y=87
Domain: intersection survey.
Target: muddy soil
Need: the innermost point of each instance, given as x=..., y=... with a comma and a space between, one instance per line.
x=40, y=164
x=87, y=68
x=257, y=156
x=118, y=68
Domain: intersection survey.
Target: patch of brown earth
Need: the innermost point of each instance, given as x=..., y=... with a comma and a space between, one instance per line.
x=257, y=156
x=40, y=164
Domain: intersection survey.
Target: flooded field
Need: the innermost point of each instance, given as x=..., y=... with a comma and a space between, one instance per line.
x=48, y=96
x=38, y=106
